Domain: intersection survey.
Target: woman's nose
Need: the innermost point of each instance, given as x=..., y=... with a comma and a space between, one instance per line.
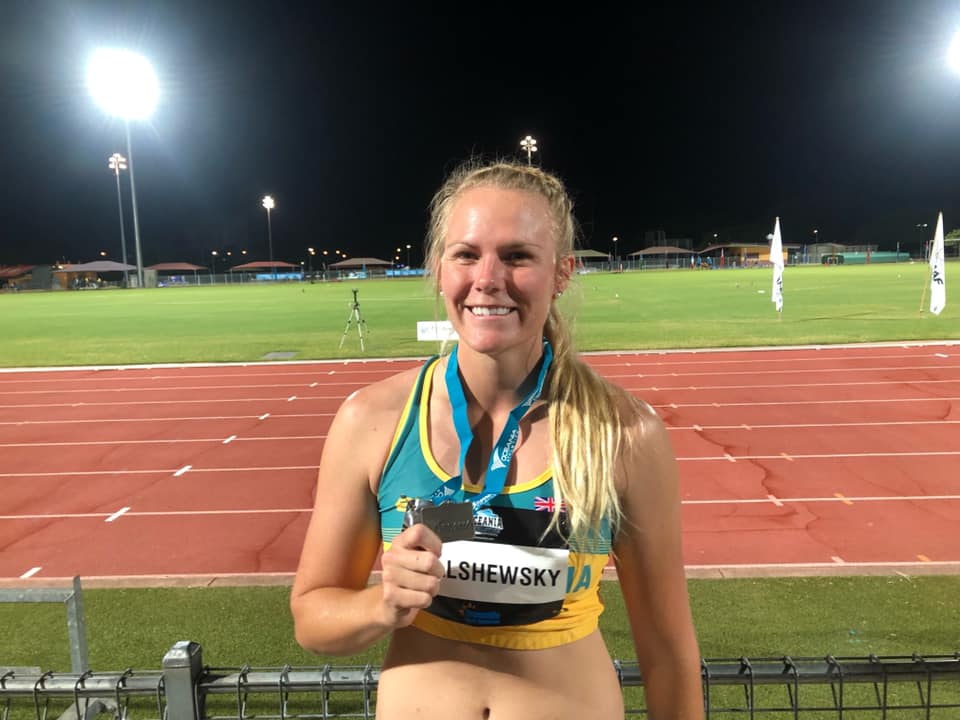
x=490, y=273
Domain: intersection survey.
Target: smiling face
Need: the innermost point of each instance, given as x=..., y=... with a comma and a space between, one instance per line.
x=499, y=269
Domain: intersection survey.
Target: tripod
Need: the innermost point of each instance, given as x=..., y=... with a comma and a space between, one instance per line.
x=354, y=317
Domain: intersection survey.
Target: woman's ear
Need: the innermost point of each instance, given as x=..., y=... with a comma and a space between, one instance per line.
x=565, y=267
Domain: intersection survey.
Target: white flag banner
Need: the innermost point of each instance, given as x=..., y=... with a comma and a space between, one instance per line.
x=776, y=257
x=938, y=283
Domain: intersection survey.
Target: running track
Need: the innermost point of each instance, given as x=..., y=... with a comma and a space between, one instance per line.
x=792, y=461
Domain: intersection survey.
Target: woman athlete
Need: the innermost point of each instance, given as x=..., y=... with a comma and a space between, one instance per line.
x=531, y=466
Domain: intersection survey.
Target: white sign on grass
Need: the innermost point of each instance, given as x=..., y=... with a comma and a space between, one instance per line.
x=435, y=330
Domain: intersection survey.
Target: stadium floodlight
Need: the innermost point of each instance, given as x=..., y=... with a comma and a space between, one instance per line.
x=953, y=53
x=124, y=85
x=118, y=162
x=269, y=204
x=529, y=145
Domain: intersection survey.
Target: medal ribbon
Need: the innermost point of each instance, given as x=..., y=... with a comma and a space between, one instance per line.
x=503, y=449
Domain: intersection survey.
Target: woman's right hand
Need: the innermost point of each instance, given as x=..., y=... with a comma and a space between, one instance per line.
x=411, y=574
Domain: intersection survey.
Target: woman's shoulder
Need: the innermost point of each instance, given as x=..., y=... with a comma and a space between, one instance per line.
x=386, y=396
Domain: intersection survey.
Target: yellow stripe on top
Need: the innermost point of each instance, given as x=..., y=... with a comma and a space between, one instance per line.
x=424, y=426
x=519, y=488
x=403, y=420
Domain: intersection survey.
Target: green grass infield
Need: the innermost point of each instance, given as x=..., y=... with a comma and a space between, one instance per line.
x=770, y=617
x=628, y=311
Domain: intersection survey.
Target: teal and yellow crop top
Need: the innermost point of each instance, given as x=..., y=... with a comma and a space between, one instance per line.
x=509, y=587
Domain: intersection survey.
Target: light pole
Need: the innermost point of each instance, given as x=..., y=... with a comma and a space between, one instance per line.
x=118, y=162
x=529, y=145
x=408, y=256
x=616, y=258
x=124, y=85
x=213, y=265
x=922, y=227
x=310, y=253
x=268, y=203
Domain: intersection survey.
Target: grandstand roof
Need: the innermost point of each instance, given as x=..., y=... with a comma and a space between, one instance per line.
x=264, y=265
x=175, y=266
x=97, y=266
x=15, y=271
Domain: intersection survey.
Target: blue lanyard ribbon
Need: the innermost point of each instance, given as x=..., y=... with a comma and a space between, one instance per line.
x=507, y=442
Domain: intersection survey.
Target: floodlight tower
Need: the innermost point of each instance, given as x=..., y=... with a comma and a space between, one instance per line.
x=124, y=85
x=269, y=205
x=953, y=53
x=118, y=162
x=529, y=145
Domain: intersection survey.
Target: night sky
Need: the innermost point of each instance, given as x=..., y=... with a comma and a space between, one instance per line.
x=689, y=118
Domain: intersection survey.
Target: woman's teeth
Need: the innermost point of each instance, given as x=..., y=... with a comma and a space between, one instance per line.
x=484, y=311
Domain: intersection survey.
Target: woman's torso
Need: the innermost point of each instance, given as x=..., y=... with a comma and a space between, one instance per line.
x=570, y=676
x=427, y=677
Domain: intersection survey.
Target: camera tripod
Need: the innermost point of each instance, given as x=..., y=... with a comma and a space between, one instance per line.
x=354, y=317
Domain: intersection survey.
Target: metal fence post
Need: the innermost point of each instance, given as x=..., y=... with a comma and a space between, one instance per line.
x=182, y=666
x=77, y=629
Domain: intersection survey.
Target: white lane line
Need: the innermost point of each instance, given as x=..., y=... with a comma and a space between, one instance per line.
x=783, y=403
x=786, y=457
x=792, y=386
x=117, y=514
x=31, y=572
x=168, y=389
x=817, y=456
x=823, y=565
x=843, y=499
x=941, y=355
x=264, y=416
x=313, y=385
x=278, y=438
x=144, y=403
x=837, y=559
x=785, y=371
x=814, y=426
x=157, y=513
x=185, y=468
x=291, y=398
x=778, y=501
x=674, y=358
x=152, y=420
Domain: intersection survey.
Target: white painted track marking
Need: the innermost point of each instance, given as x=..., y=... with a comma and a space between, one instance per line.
x=780, y=502
x=171, y=441
x=117, y=514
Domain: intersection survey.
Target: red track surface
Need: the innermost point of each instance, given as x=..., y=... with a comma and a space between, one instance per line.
x=791, y=461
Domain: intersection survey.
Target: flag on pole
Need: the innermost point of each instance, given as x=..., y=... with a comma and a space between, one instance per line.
x=938, y=287
x=776, y=257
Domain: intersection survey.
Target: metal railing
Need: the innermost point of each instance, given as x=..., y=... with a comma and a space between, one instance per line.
x=185, y=689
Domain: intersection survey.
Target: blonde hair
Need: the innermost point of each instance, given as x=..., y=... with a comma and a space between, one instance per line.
x=585, y=411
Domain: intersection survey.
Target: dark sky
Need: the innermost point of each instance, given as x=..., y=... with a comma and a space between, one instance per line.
x=692, y=118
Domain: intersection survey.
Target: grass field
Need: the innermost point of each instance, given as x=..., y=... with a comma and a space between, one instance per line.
x=659, y=309
x=843, y=616
x=630, y=311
